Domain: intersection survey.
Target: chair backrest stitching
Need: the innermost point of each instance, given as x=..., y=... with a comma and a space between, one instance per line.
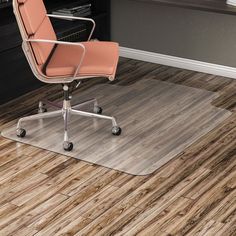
x=33, y=34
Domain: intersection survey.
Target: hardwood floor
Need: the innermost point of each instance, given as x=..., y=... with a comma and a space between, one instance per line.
x=43, y=193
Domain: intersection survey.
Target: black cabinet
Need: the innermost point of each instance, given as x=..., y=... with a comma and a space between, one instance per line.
x=16, y=76
x=9, y=37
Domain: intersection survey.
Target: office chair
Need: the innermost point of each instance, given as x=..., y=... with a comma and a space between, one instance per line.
x=59, y=62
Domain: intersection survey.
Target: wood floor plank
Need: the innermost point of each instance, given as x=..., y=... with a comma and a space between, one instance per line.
x=74, y=215
x=17, y=166
x=228, y=229
x=20, y=223
x=18, y=195
x=209, y=228
x=52, y=187
x=6, y=209
x=43, y=164
x=85, y=195
x=150, y=208
x=100, y=207
x=174, y=210
x=202, y=207
x=215, y=175
x=26, y=232
x=110, y=222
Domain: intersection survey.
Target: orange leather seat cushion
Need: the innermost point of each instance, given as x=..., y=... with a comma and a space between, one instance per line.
x=100, y=59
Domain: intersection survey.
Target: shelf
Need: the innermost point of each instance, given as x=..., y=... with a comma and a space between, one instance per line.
x=68, y=23
x=56, y=4
x=63, y=28
x=218, y=6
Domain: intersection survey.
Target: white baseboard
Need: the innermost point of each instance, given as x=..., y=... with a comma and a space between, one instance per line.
x=178, y=62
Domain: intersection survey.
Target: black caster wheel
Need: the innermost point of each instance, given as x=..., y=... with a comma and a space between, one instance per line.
x=42, y=110
x=116, y=130
x=21, y=133
x=68, y=146
x=97, y=110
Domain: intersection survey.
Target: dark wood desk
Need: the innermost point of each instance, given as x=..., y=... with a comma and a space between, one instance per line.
x=218, y=6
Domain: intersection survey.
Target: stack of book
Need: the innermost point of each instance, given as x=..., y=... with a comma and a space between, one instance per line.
x=231, y=2
x=78, y=11
x=4, y=1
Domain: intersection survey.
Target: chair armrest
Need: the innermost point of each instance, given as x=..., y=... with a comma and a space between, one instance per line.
x=63, y=43
x=76, y=18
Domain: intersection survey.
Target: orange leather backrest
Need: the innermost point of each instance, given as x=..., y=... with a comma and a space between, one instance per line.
x=37, y=26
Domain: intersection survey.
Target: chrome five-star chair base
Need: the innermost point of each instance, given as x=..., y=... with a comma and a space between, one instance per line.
x=66, y=111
